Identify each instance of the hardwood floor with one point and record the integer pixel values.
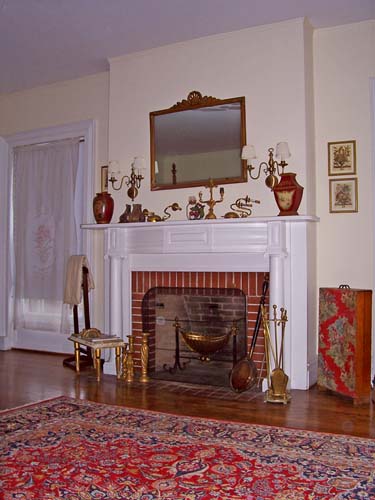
(28, 377)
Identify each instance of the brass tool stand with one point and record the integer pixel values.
(274, 351)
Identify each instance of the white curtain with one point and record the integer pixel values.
(45, 231)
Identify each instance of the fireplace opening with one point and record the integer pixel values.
(197, 334)
(152, 290)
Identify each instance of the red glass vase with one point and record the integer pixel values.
(288, 194)
(103, 205)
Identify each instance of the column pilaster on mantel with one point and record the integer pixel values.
(115, 303)
(277, 252)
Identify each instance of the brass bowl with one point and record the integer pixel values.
(205, 344)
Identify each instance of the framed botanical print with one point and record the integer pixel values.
(343, 195)
(342, 158)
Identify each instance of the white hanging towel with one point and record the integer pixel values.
(74, 276)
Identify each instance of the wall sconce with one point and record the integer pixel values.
(272, 167)
(133, 181)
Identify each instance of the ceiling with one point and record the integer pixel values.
(44, 41)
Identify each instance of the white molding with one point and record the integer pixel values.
(372, 112)
(4, 267)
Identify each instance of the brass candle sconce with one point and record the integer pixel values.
(133, 181)
(270, 168)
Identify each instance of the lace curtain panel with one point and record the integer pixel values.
(45, 231)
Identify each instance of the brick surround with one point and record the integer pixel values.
(250, 283)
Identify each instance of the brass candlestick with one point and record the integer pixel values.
(130, 361)
(144, 357)
(124, 362)
(211, 202)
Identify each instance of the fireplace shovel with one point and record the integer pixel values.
(244, 374)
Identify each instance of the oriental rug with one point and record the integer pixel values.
(72, 449)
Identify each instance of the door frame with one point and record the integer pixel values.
(372, 101)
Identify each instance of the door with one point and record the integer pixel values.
(38, 326)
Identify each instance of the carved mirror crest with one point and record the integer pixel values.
(196, 139)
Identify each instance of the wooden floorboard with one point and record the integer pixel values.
(27, 377)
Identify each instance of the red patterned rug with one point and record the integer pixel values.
(72, 449)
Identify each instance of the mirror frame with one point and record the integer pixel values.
(195, 100)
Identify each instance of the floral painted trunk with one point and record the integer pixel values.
(344, 360)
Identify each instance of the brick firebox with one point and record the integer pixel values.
(250, 283)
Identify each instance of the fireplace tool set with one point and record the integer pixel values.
(244, 374)
(274, 350)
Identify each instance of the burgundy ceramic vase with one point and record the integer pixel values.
(103, 206)
(288, 194)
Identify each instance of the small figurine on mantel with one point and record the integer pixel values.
(194, 209)
(211, 202)
(132, 214)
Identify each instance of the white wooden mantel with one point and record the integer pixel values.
(283, 246)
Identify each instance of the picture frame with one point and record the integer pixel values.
(104, 179)
(343, 195)
(342, 158)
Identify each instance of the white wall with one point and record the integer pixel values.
(344, 61)
(59, 104)
(264, 64)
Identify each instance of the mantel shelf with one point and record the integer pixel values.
(169, 223)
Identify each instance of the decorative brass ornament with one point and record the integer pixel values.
(241, 208)
(152, 217)
(205, 344)
(144, 358)
(129, 361)
(195, 99)
(124, 362)
(274, 350)
(211, 202)
(90, 333)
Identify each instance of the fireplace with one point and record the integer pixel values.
(280, 246)
(208, 302)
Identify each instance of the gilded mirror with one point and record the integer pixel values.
(198, 139)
